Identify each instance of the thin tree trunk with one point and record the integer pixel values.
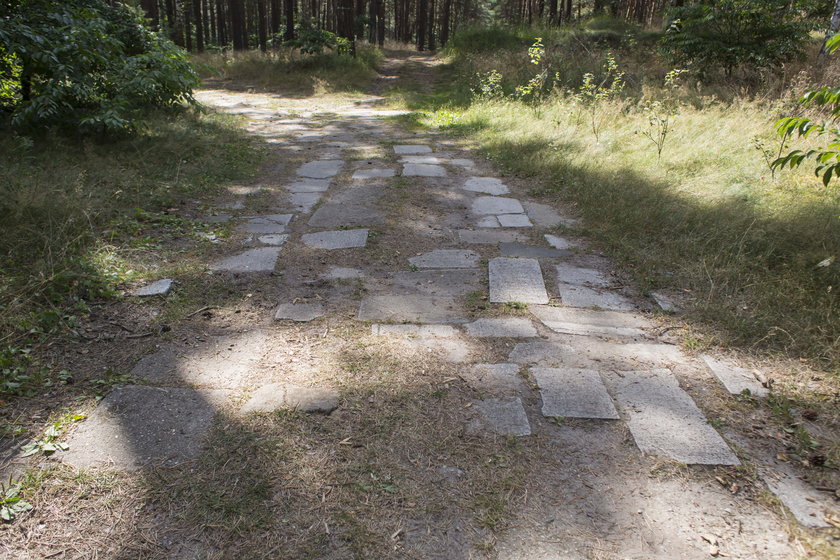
(187, 24)
(289, 19)
(262, 25)
(199, 22)
(422, 12)
(444, 24)
(431, 25)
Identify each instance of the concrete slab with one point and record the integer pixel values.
(489, 237)
(360, 195)
(514, 220)
(544, 215)
(665, 421)
(446, 258)
(440, 282)
(346, 215)
(261, 259)
(583, 296)
(589, 322)
(340, 239)
(516, 280)
(586, 352)
(500, 380)
(488, 222)
(807, 505)
(503, 327)
(321, 169)
(423, 170)
(484, 205)
(735, 379)
(504, 416)
(309, 186)
(416, 331)
(135, 426)
(530, 251)
(279, 396)
(157, 288)
(462, 162)
(412, 149)
(487, 185)
(342, 273)
(414, 309)
(548, 354)
(573, 393)
(304, 202)
(427, 160)
(372, 173)
(560, 242)
(274, 239)
(579, 276)
(273, 223)
(299, 312)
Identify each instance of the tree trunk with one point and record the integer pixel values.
(444, 24)
(290, 20)
(380, 23)
(262, 25)
(431, 25)
(199, 22)
(422, 12)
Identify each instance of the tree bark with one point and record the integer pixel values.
(422, 8)
(289, 19)
(262, 25)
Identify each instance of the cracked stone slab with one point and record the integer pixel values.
(589, 322)
(504, 416)
(504, 327)
(217, 219)
(437, 282)
(412, 309)
(488, 222)
(346, 215)
(486, 185)
(304, 202)
(261, 259)
(309, 186)
(665, 421)
(530, 251)
(560, 242)
(573, 393)
(735, 379)
(501, 380)
(273, 223)
(806, 504)
(514, 220)
(278, 396)
(320, 169)
(516, 280)
(275, 239)
(134, 426)
(363, 174)
(300, 312)
(157, 288)
(544, 215)
(579, 276)
(495, 205)
(489, 237)
(446, 258)
(417, 331)
(412, 149)
(584, 296)
(423, 170)
(339, 239)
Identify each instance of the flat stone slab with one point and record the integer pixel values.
(735, 379)
(585, 352)
(462, 162)
(504, 416)
(495, 205)
(309, 186)
(274, 223)
(279, 396)
(544, 215)
(487, 185)
(134, 426)
(417, 331)
(530, 251)
(446, 258)
(275, 239)
(489, 237)
(664, 302)
(304, 202)
(573, 393)
(516, 280)
(412, 149)
(665, 421)
(560, 242)
(340, 239)
(806, 504)
(346, 215)
(411, 309)
(579, 276)
(320, 169)
(342, 273)
(495, 379)
(428, 160)
(423, 170)
(363, 174)
(583, 296)
(514, 220)
(157, 288)
(300, 312)
(589, 322)
(488, 222)
(505, 327)
(261, 259)
(437, 282)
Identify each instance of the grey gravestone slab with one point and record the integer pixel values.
(571, 274)
(418, 331)
(589, 322)
(342, 273)
(362, 174)
(806, 504)
(423, 170)
(516, 280)
(514, 220)
(261, 259)
(304, 202)
(664, 302)
(274, 223)
(573, 393)
(735, 379)
(487, 185)
(559, 242)
(275, 239)
(504, 416)
(496, 205)
(418, 309)
(309, 186)
(461, 162)
(530, 251)
(134, 426)
(456, 282)
(320, 169)
(665, 421)
(446, 258)
(300, 312)
(278, 396)
(488, 222)
(492, 237)
(346, 215)
(158, 288)
(496, 379)
(412, 149)
(504, 327)
(341, 239)
(582, 296)
(544, 215)
(428, 160)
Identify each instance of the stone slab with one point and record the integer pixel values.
(273, 223)
(665, 421)
(428, 160)
(504, 416)
(412, 149)
(135, 426)
(275, 239)
(346, 215)
(157, 288)
(504, 327)
(437, 282)
(589, 322)
(309, 186)
(342, 273)
(217, 219)
(735, 379)
(489, 237)
(516, 280)
(278, 396)
(514, 220)
(496, 379)
(664, 302)
(412, 309)
(584, 296)
(573, 393)
(486, 185)
(462, 162)
(363, 174)
(304, 202)
(579, 276)
(261, 259)
(320, 169)
(530, 251)
(423, 170)
(417, 331)
(560, 242)
(446, 258)
(806, 504)
(544, 215)
(496, 205)
(340, 239)
(300, 312)
(488, 222)
(586, 352)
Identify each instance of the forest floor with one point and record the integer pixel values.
(392, 351)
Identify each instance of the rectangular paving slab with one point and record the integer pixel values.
(579, 276)
(158, 288)
(504, 416)
(489, 237)
(304, 202)
(346, 215)
(560, 242)
(340, 239)
(423, 170)
(486, 185)
(530, 251)
(573, 393)
(807, 505)
(496, 379)
(411, 309)
(544, 215)
(309, 186)
(300, 312)
(735, 379)
(502, 327)
(516, 280)
(584, 296)
(665, 421)
(412, 149)
(261, 259)
(495, 205)
(320, 169)
(446, 258)
(587, 352)
(589, 322)
(273, 223)
(428, 160)
(514, 220)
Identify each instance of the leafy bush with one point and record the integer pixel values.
(310, 39)
(86, 66)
